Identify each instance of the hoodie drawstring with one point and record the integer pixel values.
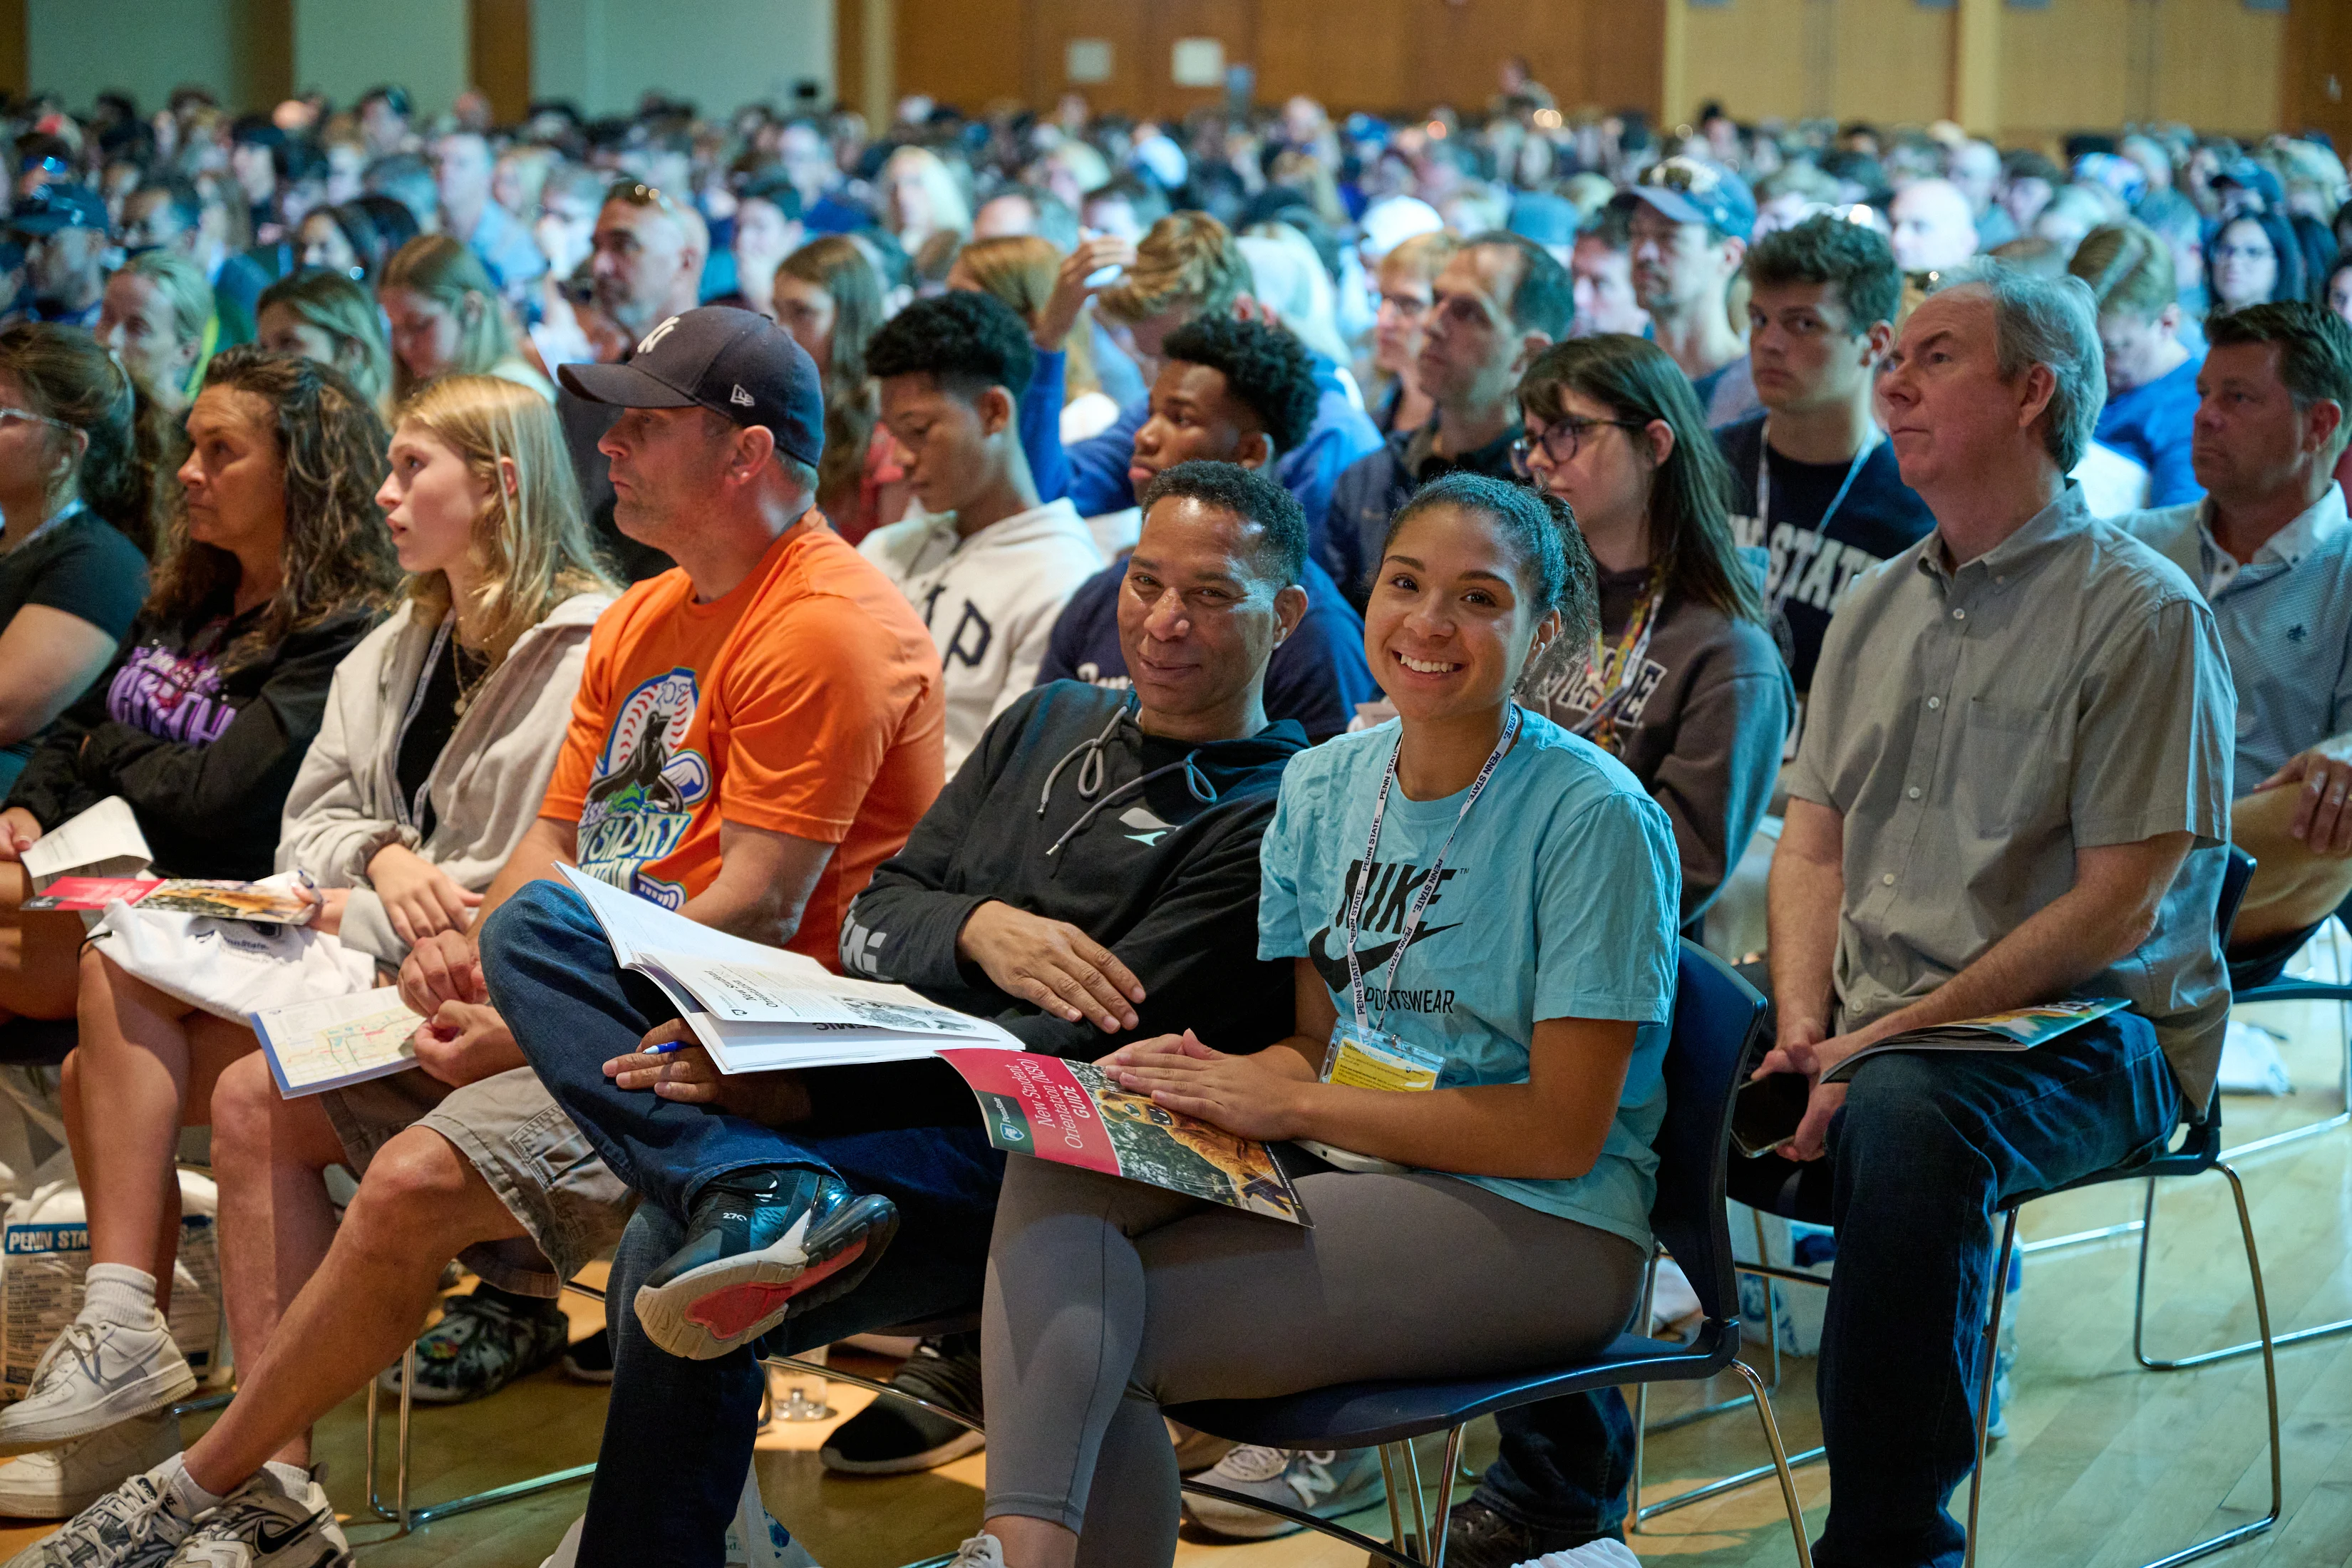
(1089, 754)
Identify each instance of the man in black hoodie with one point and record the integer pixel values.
(1089, 877)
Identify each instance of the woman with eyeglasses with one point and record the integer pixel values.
(447, 319)
(1407, 276)
(2253, 259)
(324, 316)
(273, 566)
(343, 239)
(1681, 681)
(76, 516)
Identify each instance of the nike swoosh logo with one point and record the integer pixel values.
(1333, 965)
(270, 1540)
(1148, 839)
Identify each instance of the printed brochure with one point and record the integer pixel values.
(2019, 1029)
(255, 902)
(1070, 1112)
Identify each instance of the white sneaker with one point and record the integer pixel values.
(136, 1525)
(60, 1482)
(785, 1553)
(982, 1551)
(93, 1376)
(1325, 1483)
(279, 1518)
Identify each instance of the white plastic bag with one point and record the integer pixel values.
(45, 1253)
(230, 968)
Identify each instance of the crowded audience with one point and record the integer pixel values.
(1088, 571)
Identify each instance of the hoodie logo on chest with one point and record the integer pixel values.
(972, 636)
(1150, 829)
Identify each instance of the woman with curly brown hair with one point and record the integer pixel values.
(272, 568)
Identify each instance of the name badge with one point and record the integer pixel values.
(1374, 1058)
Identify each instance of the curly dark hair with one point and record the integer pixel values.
(1280, 556)
(1263, 366)
(337, 554)
(969, 342)
(1828, 250)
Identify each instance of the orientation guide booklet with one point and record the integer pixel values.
(313, 1047)
(758, 1009)
(2019, 1029)
(1070, 1112)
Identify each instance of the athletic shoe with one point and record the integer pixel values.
(95, 1376)
(590, 1361)
(765, 1244)
(1196, 1450)
(483, 1341)
(279, 1518)
(1325, 1483)
(60, 1482)
(982, 1551)
(783, 1551)
(1477, 1536)
(136, 1525)
(892, 1438)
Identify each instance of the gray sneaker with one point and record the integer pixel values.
(136, 1525)
(1325, 1483)
(279, 1518)
(59, 1482)
(93, 1376)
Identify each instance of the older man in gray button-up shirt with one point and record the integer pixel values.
(2013, 786)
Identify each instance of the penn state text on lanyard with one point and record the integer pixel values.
(1428, 883)
(1819, 525)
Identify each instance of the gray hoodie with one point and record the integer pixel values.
(486, 786)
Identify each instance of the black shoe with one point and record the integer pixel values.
(590, 1361)
(892, 1438)
(1477, 1536)
(483, 1341)
(765, 1244)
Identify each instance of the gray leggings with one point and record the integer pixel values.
(1108, 1298)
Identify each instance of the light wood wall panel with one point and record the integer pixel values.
(498, 50)
(2218, 66)
(967, 52)
(1891, 62)
(2317, 81)
(2064, 69)
(1751, 57)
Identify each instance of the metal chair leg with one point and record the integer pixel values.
(1445, 1497)
(2227, 1352)
(1779, 1463)
(1985, 1377)
(409, 1517)
(1400, 1534)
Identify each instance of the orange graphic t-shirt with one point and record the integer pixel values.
(807, 702)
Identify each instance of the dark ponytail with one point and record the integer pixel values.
(135, 445)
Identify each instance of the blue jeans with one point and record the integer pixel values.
(678, 1435)
(1925, 1153)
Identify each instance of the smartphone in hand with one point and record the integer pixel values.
(1767, 1111)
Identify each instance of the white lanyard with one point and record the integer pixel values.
(1428, 882)
(1819, 525)
(72, 509)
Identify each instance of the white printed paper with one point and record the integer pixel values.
(103, 841)
(337, 1040)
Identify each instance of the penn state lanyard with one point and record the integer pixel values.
(1600, 726)
(72, 509)
(1821, 524)
(1428, 882)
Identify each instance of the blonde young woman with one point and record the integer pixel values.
(447, 319)
(439, 732)
(327, 317)
(156, 317)
(922, 197)
(1021, 270)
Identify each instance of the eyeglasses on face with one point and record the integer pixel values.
(8, 415)
(1561, 440)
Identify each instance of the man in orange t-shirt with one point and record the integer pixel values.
(755, 731)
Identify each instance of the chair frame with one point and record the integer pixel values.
(400, 1512)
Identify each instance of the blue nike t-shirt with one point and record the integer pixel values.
(1558, 899)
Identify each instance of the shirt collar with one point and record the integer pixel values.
(2313, 527)
(2046, 530)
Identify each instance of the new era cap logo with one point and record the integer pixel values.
(658, 334)
(739, 395)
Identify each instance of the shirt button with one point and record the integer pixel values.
(1934, 703)
(1913, 792)
(1889, 879)
(1959, 615)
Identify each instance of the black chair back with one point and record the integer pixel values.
(2235, 877)
(1717, 1019)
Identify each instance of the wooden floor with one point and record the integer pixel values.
(2106, 1466)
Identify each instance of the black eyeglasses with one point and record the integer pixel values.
(1569, 432)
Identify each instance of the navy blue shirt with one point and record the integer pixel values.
(1317, 676)
(2150, 424)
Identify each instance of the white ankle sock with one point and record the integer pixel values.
(119, 1294)
(292, 1479)
(192, 1500)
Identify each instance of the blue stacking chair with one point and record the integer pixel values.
(1717, 1018)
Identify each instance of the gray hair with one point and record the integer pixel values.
(2050, 322)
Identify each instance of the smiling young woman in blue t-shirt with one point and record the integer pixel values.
(1515, 929)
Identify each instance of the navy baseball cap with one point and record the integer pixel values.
(737, 363)
(1690, 190)
(58, 205)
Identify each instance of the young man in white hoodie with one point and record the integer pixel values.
(987, 566)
